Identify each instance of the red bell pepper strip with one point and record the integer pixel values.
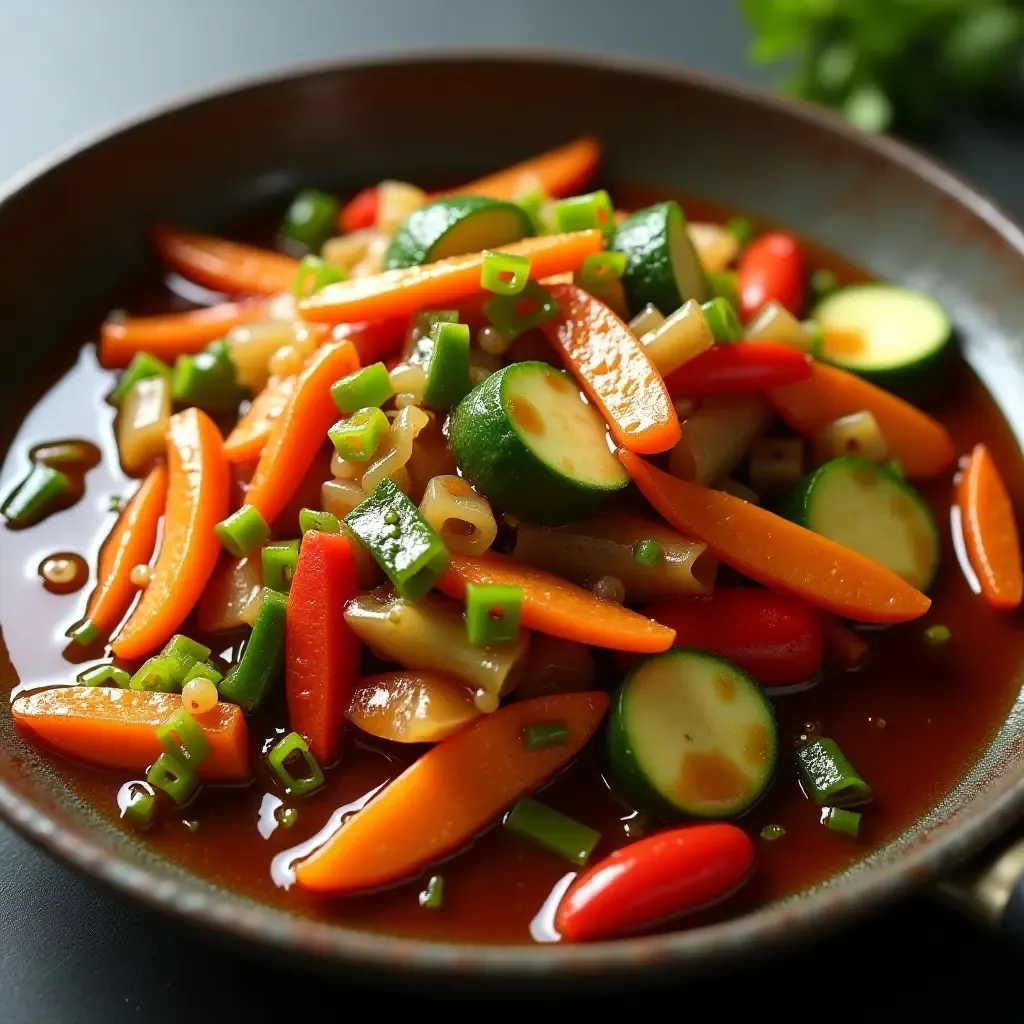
(739, 368)
(772, 269)
(374, 340)
(654, 880)
(360, 211)
(774, 637)
(321, 652)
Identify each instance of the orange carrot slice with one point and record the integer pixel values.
(249, 435)
(990, 531)
(451, 793)
(300, 431)
(610, 363)
(447, 282)
(173, 334)
(114, 728)
(197, 499)
(226, 266)
(778, 553)
(559, 172)
(554, 606)
(922, 445)
(130, 543)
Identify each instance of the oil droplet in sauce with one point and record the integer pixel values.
(64, 572)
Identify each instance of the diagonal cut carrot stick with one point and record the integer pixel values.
(172, 334)
(197, 499)
(922, 445)
(130, 543)
(226, 266)
(447, 282)
(554, 606)
(249, 435)
(115, 728)
(990, 531)
(451, 793)
(778, 553)
(605, 356)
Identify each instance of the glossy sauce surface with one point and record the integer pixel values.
(911, 720)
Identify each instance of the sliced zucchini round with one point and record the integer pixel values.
(691, 735)
(869, 508)
(527, 440)
(662, 267)
(882, 332)
(451, 227)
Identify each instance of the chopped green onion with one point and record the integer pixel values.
(292, 748)
(828, 778)
(823, 282)
(647, 552)
(725, 284)
(158, 674)
(84, 632)
(582, 213)
(279, 561)
(544, 735)
(534, 203)
(36, 496)
(325, 522)
(936, 636)
(249, 682)
(104, 675)
(311, 219)
(207, 379)
(895, 466)
(722, 319)
(139, 805)
(432, 898)
(741, 228)
(837, 819)
(183, 738)
(183, 652)
(552, 830)
(143, 365)
(404, 544)
(116, 504)
(312, 275)
(511, 315)
(493, 612)
(242, 531)
(203, 670)
(370, 386)
(173, 777)
(504, 273)
(817, 335)
(448, 366)
(599, 268)
(772, 832)
(286, 816)
(358, 437)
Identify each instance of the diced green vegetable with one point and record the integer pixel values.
(553, 830)
(493, 613)
(544, 735)
(937, 636)
(358, 437)
(249, 682)
(207, 379)
(279, 561)
(314, 274)
(36, 496)
(312, 218)
(600, 267)
(104, 675)
(512, 315)
(504, 273)
(84, 633)
(400, 539)
(828, 778)
(183, 738)
(294, 748)
(648, 552)
(741, 228)
(173, 777)
(367, 387)
(722, 319)
(140, 806)
(143, 365)
(725, 284)
(183, 652)
(158, 674)
(242, 531)
(312, 519)
(203, 670)
(583, 213)
(448, 366)
(432, 897)
(838, 819)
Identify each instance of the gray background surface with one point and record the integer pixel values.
(69, 952)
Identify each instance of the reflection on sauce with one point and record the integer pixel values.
(939, 708)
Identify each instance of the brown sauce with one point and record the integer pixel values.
(912, 719)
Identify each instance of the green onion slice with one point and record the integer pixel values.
(293, 748)
(722, 319)
(311, 219)
(447, 366)
(312, 275)
(827, 776)
(493, 613)
(183, 738)
(369, 386)
(648, 553)
(583, 213)
(173, 777)
(105, 675)
(242, 531)
(279, 561)
(143, 365)
(358, 437)
(312, 519)
(512, 315)
(158, 674)
(36, 496)
(553, 830)
(504, 273)
(838, 819)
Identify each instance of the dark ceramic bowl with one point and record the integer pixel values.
(216, 158)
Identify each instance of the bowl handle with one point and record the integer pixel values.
(990, 889)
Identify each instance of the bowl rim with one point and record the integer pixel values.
(769, 928)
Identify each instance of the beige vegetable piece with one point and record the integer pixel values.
(857, 435)
(411, 707)
(717, 437)
(142, 423)
(682, 336)
(776, 323)
(716, 247)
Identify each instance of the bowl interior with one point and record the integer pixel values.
(77, 230)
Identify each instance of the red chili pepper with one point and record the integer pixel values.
(373, 339)
(740, 368)
(360, 211)
(321, 652)
(771, 269)
(655, 879)
(774, 637)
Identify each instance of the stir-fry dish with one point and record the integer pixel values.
(513, 561)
